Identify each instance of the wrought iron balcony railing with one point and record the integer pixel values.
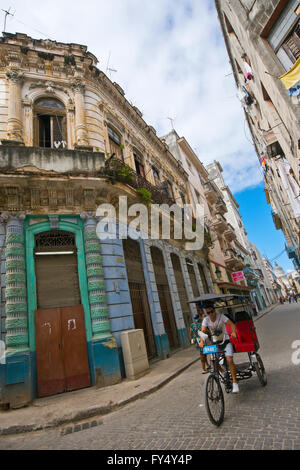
(117, 171)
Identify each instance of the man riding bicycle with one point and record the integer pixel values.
(214, 324)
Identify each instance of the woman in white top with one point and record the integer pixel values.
(214, 324)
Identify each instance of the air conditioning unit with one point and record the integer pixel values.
(134, 353)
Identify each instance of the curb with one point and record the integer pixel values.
(82, 415)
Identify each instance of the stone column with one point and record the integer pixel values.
(96, 282)
(14, 126)
(17, 337)
(80, 122)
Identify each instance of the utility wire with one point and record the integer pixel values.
(278, 256)
(28, 26)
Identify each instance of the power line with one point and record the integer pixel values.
(33, 29)
(278, 256)
(7, 13)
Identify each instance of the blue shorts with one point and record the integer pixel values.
(228, 349)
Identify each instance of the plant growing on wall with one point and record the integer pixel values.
(124, 174)
(145, 195)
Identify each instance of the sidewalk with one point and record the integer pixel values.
(73, 407)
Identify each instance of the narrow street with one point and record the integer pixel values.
(175, 416)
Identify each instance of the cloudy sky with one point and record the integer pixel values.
(171, 62)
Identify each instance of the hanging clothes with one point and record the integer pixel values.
(244, 97)
(248, 71)
(291, 79)
(290, 185)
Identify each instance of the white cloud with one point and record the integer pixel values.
(171, 61)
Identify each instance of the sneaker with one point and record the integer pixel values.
(235, 388)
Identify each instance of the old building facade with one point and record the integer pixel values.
(225, 251)
(262, 40)
(253, 273)
(70, 142)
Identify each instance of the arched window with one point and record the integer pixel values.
(49, 123)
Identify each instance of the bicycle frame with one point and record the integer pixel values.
(225, 376)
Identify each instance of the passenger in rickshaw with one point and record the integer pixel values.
(214, 323)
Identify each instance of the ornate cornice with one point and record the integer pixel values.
(49, 86)
(15, 76)
(78, 85)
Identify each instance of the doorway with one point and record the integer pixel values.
(164, 297)
(183, 297)
(138, 294)
(61, 346)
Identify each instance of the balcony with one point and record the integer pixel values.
(240, 263)
(117, 171)
(219, 223)
(230, 258)
(210, 193)
(221, 206)
(60, 161)
(233, 260)
(252, 274)
(277, 221)
(229, 233)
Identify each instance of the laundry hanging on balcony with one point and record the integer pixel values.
(244, 96)
(248, 71)
(291, 79)
(264, 164)
(290, 185)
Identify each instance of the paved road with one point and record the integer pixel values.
(175, 416)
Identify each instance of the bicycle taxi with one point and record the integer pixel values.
(239, 310)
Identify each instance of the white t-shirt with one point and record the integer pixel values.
(217, 328)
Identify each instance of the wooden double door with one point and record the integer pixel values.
(61, 350)
(61, 345)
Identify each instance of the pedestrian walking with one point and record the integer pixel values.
(195, 327)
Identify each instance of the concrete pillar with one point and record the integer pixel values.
(14, 123)
(80, 121)
(96, 282)
(17, 337)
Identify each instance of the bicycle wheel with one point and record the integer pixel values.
(260, 370)
(214, 400)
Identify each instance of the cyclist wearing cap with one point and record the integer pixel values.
(195, 327)
(214, 323)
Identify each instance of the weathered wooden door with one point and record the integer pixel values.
(167, 314)
(183, 297)
(193, 279)
(141, 315)
(164, 296)
(138, 294)
(61, 346)
(49, 358)
(61, 350)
